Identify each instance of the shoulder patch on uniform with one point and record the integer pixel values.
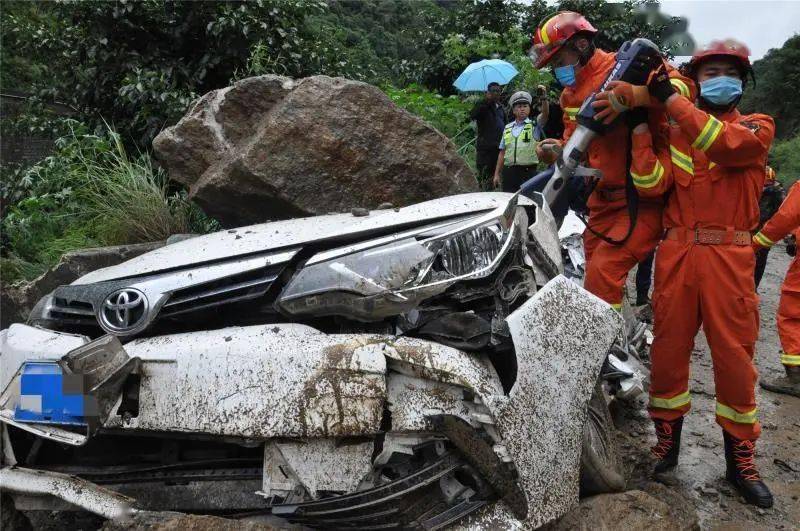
(752, 125)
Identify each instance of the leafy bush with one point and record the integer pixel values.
(785, 160)
(89, 193)
(448, 114)
(778, 76)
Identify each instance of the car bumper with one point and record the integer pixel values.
(271, 382)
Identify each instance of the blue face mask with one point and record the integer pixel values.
(721, 90)
(565, 75)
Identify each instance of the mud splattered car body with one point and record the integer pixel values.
(417, 367)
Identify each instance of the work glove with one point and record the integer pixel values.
(548, 150)
(618, 98)
(659, 85)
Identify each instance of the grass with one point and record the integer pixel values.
(89, 193)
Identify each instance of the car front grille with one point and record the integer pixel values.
(245, 286)
(169, 294)
(72, 312)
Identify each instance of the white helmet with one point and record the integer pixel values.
(520, 97)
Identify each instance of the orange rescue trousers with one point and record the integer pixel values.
(712, 286)
(607, 265)
(789, 315)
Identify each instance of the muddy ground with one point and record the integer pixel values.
(696, 494)
(697, 487)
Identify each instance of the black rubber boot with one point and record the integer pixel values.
(787, 385)
(668, 446)
(742, 472)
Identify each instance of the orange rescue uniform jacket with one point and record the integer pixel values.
(608, 153)
(715, 164)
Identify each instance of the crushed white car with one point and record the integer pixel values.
(421, 367)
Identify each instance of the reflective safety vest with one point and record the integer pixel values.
(520, 151)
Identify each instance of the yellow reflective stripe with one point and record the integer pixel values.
(762, 240)
(681, 160)
(680, 86)
(545, 36)
(617, 306)
(572, 112)
(711, 165)
(790, 359)
(650, 180)
(731, 414)
(675, 402)
(709, 133)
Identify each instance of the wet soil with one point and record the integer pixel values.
(699, 479)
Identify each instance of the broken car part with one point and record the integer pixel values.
(328, 370)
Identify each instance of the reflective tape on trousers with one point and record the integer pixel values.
(676, 402)
(729, 413)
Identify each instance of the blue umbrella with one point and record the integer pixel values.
(477, 76)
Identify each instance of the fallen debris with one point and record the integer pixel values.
(270, 147)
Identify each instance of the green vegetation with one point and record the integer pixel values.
(776, 92)
(785, 160)
(137, 65)
(75, 199)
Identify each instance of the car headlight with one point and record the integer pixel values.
(40, 314)
(379, 278)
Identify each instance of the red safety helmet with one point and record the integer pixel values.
(728, 48)
(555, 32)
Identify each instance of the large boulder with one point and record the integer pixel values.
(270, 147)
(17, 300)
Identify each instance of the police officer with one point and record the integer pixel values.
(517, 160)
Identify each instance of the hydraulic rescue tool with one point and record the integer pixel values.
(635, 60)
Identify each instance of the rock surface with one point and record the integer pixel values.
(270, 147)
(17, 300)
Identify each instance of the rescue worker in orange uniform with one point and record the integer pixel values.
(785, 221)
(565, 42)
(712, 173)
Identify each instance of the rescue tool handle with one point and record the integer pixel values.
(635, 61)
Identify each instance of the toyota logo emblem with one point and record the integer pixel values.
(124, 311)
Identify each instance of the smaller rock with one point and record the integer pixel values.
(697, 433)
(360, 212)
(708, 492)
(666, 479)
(761, 511)
(724, 489)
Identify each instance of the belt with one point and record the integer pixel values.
(610, 194)
(708, 236)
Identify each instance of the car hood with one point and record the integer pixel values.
(293, 233)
